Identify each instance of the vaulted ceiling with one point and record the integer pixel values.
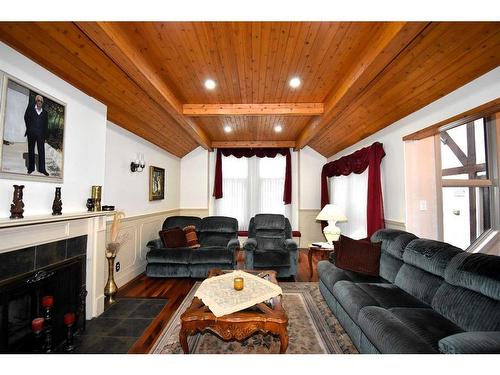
(357, 77)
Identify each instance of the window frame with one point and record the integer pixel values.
(492, 128)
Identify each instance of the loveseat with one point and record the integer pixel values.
(218, 238)
(429, 297)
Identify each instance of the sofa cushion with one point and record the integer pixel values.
(207, 239)
(429, 255)
(393, 241)
(178, 256)
(218, 224)
(477, 272)
(191, 237)
(269, 240)
(173, 237)
(211, 254)
(389, 266)
(468, 309)
(271, 258)
(330, 274)
(419, 283)
(181, 221)
(269, 222)
(405, 330)
(354, 296)
(360, 256)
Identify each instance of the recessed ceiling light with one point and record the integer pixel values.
(227, 129)
(210, 84)
(278, 128)
(295, 82)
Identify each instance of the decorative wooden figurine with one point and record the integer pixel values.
(57, 205)
(17, 206)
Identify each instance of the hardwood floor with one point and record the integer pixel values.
(176, 289)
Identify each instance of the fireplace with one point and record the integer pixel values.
(55, 269)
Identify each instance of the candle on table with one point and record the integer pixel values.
(47, 302)
(37, 325)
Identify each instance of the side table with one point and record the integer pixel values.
(319, 250)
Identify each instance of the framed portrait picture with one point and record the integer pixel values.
(156, 183)
(32, 128)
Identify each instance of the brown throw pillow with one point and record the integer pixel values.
(173, 237)
(361, 256)
(191, 237)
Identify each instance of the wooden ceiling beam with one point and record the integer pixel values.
(386, 44)
(284, 109)
(108, 37)
(253, 144)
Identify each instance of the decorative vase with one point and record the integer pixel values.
(110, 289)
(17, 206)
(57, 204)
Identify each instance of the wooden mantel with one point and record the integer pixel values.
(45, 219)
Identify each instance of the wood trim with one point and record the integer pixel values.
(465, 183)
(483, 110)
(290, 109)
(108, 37)
(253, 144)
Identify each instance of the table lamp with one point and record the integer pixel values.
(332, 214)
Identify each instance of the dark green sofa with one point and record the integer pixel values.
(430, 297)
(218, 237)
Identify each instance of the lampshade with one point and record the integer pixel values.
(331, 212)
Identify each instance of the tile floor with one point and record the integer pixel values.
(116, 330)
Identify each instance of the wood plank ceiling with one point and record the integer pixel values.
(357, 77)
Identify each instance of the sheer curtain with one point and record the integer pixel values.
(350, 194)
(251, 186)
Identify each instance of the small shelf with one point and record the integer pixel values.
(43, 219)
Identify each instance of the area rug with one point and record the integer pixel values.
(312, 329)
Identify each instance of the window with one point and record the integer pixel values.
(468, 180)
(251, 186)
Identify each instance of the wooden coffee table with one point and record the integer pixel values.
(239, 325)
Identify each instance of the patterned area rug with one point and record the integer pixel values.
(312, 329)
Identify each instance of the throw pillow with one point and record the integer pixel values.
(191, 237)
(361, 256)
(173, 237)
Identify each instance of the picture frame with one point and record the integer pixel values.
(32, 127)
(156, 183)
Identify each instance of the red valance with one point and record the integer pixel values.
(357, 162)
(260, 153)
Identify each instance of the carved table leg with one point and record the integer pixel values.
(183, 341)
(283, 342)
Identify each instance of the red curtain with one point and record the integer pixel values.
(260, 153)
(357, 162)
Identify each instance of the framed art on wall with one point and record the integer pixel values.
(32, 128)
(156, 183)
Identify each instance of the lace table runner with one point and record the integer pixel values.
(221, 298)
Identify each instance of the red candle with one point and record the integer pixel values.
(37, 324)
(69, 319)
(47, 302)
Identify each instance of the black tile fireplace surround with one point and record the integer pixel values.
(26, 275)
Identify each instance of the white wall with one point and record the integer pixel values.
(84, 141)
(475, 93)
(310, 165)
(129, 191)
(194, 179)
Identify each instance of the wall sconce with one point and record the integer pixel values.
(138, 164)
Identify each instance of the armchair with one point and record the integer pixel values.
(270, 245)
